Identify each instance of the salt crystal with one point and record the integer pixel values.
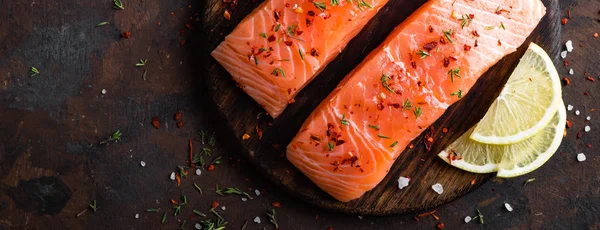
(402, 182)
(571, 72)
(198, 172)
(563, 54)
(581, 157)
(438, 188)
(244, 199)
(223, 208)
(468, 219)
(508, 207)
(588, 118)
(198, 226)
(569, 107)
(587, 128)
(360, 217)
(577, 112)
(103, 91)
(569, 46)
(137, 216)
(142, 163)
(172, 177)
(257, 192)
(257, 220)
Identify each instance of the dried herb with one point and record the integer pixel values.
(199, 213)
(141, 63)
(362, 3)
(406, 104)
(153, 210)
(465, 20)
(101, 24)
(198, 187)
(344, 121)
(272, 218)
(202, 135)
(164, 218)
(206, 151)
(278, 71)
(114, 137)
(457, 93)
(182, 225)
(454, 73)
(301, 53)
(502, 25)
(94, 206)
(218, 191)
(210, 225)
(528, 181)
(383, 136)
(277, 27)
(212, 140)
(233, 190)
(335, 2)
(263, 35)
(177, 210)
(321, 6)
(417, 112)
(330, 146)
(489, 27)
(448, 34)
(216, 161)
(423, 53)
(374, 127)
(118, 4)
(33, 71)
(384, 81)
(394, 144)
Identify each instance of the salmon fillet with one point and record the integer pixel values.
(282, 45)
(348, 144)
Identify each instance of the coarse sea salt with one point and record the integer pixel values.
(403, 182)
(508, 207)
(577, 112)
(563, 54)
(244, 199)
(223, 208)
(581, 157)
(198, 172)
(103, 91)
(172, 177)
(438, 188)
(569, 45)
(142, 163)
(468, 219)
(257, 192)
(587, 128)
(571, 71)
(137, 216)
(588, 118)
(569, 107)
(198, 226)
(257, 220)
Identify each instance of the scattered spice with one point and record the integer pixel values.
(126, 34)
(94, 206)
(457, 93)
(448, 34)
(384, 81)
(272, 219)
(466, 20)
(101, 24)
(454, 73)
(566, 81)
(114, 137)
(155, 122)
(33, 72)
(141, 63)
(245, 136)
(164, 218)
(417, 112)
(467, 47)
(429, 46)
(344, 121)
(118, 4)
(440, 225)
(227, 15)
(528, 181)
(314, 52)
(423, 53)
(569, 124)
(320, 5)
(564, 21)
(590, 79)
(278, 71)
(276, 204)
(153, 210)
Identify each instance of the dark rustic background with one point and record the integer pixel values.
(51, 167)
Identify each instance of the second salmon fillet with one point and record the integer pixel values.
(282, 45)
(430, 61)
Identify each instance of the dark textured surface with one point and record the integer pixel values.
(420, 165)
(51, 168)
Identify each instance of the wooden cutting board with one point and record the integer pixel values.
(243, 116)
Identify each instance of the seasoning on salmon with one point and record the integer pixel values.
(300, 43)
(426, 87)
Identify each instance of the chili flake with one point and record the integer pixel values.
(126, 34)
(227, 15)
(276, 14)
(467, 47)
(179, 124)
(276, 204)
(177, 116)
(566, 81)
(429, 46)
(245, 136)
(155, 122)
(314, 52)
(564, 21)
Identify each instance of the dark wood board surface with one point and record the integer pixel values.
(422, 166)
(51, 167)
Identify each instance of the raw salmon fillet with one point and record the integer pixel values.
(428, 62)
(282, 45)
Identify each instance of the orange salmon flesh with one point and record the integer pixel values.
(348, 144)
(282, 45)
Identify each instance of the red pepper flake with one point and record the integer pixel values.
(126, 34)
(215, 204)
(564, 21)
(416, 218)
(179, 124)
(578, 135)
(590, 79)
(473, 182)
(178, 179)
(288, 43)
(245, 136)
(568, 14)
(476, 43)
(190, 27)
(589, 146)
(413, 64)
(444, 130)
(467, 47)
(380, 106)
(430, 46)
(566, 63)
(314, 52)
(276, 14)
(499, 42)
(442, 40)
(440, 225)
(329, 228)
(276, 204)
(227, 15)
(569, 124)
(426, 214)
(317, 218)
(177, 116)
(595, 35)
(173, 201)
(258, 132)
(566, 81)
(430, 28)
(155, 122)
(211, 167)
(434, 216)
(475, 33)
(430, 139)
(311, 13)
(271, 38)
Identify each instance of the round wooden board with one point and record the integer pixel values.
(244, 116)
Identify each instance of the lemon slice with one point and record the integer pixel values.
(508, 160)
(527, 103)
